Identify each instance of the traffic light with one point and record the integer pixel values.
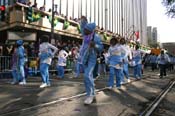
(29, 14)
(2, 13)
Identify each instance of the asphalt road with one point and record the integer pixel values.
(65, 97)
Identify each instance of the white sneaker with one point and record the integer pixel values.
(89, 100)
(128, 80)
(22, 83)
(122, 83)
(110, 87)
(43, 85)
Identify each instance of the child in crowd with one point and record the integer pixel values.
(62, 58)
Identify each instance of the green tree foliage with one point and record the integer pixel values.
(170, 6)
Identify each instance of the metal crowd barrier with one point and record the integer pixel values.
(33, 65)
(5, 63)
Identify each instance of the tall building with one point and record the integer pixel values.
(123, 17)
(154, 35)
(149, 32)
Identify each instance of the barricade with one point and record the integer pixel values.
(5, 66)
(32, 66)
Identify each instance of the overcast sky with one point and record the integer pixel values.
(157, 18)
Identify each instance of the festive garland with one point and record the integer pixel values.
(66, 25)
(55, 22)
(32, 16)
(78, 28)
(36, 16)
(105, 36)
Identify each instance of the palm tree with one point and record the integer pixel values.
(170, 6)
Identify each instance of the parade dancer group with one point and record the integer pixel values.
(117, 58)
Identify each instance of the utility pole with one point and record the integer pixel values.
(112, 16)
(102, 13)
(73, 9)
(94, 10)
(106, 15)
(90, 10)
(141, 33)
(115, 15)
(122, 16)
(86, 10)
(133, 19)
(44, 3)
(67, 8)
(60, 8)
(110, 24)
(52, 24)
(98, 13)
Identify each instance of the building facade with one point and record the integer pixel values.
(169, 47)
(152, 35)
(123, 17)
(149, 33)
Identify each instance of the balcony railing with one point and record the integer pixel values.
(17, 14)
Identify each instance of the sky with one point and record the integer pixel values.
(156, 17)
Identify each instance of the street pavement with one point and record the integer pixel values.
(65, 97)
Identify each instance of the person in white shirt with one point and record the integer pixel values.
(46, 53)
(62, 58)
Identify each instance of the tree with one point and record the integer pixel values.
(170, 6)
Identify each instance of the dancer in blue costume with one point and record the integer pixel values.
(21, 61)
(115, 61)
(137, 58)
(91, 45)
(125, 71)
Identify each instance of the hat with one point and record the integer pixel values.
(19, 42)
(90, 26)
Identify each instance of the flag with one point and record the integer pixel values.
(137, 35)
